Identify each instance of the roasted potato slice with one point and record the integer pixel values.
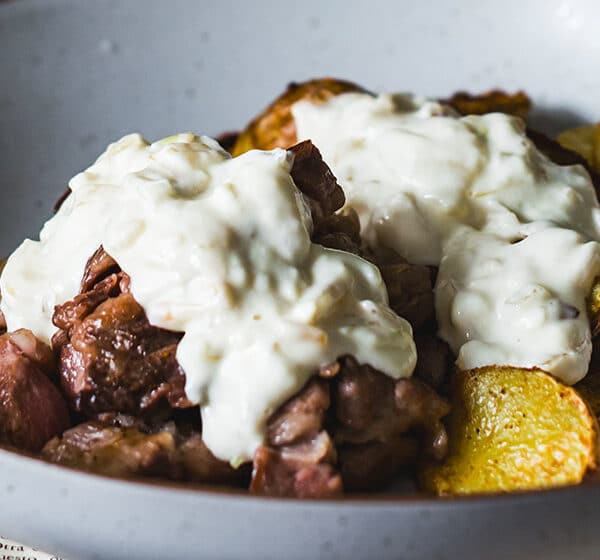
(275, 127)
(584, 140)
(513, 429)
(495, 101)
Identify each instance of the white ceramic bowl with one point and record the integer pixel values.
(75, 75)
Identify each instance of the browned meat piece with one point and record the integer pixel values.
(373, 466)
(434, 359)
(379, 420)
(114, 451)
(116, 361)
(410, 292)
(409, 286)
(365, 405)
(32, 410)
(124, 446)
(34, 349)
(340, 231)
(99, 266)
(304, 471)
(324, 196)
(110, 358)
(301, 417)
(198, 464)
(71, 313)
(378, 426)
(315, 180)
(423, 410)
(298, 457)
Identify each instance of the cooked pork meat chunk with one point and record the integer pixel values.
(434, 359)
(410, 287)
(124, 446)
(423, 410)
(68, 315)
(382, 425)
(110, 358)
(315, 180)
(99, 266)
(353, 428)
(114, 450)
(370, 406)
(304, 472)
(340, 231)
(298, 457)
(198, 464)
(32, 410)
(373, 466)
(301, 417)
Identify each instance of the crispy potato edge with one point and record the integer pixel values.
(455, 475)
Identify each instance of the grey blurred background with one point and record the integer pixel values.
(76, 75)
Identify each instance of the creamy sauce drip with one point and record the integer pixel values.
(515, 236)
(220, 249)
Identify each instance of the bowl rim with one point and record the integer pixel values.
(358, 499)
(410, 499)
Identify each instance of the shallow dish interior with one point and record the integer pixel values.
(78, 75)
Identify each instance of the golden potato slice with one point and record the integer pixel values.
(513, 429)
(495, 101)
(275, 127)
(584, 140)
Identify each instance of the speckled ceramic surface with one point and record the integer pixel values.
(75, 75)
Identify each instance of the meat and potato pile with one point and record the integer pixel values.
(110, 397)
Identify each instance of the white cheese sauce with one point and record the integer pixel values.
(220, 249)
(514, 235)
